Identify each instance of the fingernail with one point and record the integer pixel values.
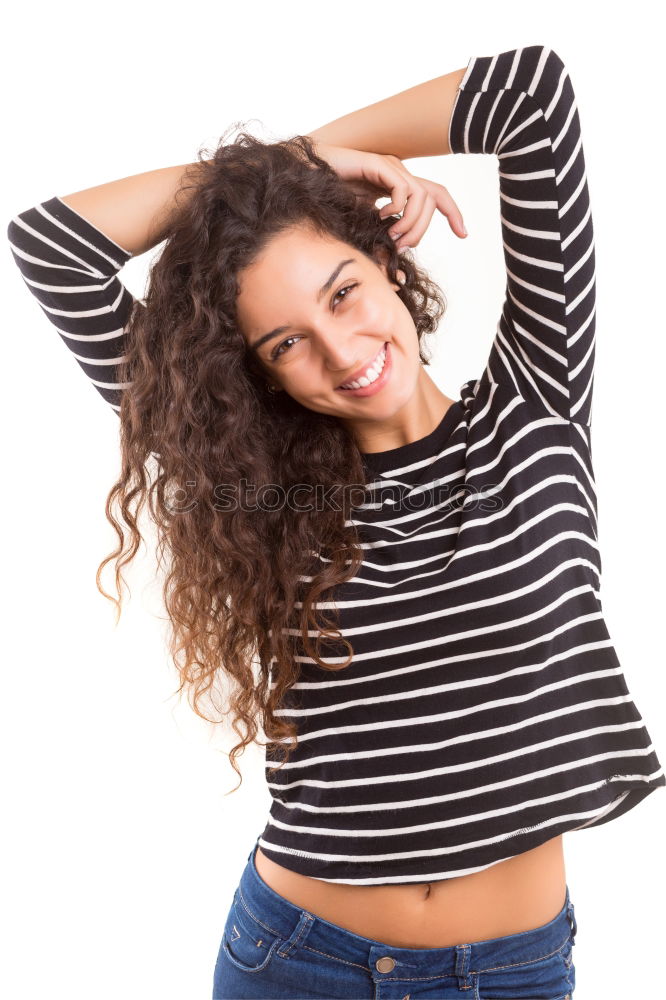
(465, 230)
(395, 236)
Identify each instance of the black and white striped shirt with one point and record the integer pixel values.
(485, 710)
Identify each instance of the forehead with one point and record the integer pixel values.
(297, 255)
(286, 277)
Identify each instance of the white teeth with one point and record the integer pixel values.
(371, 375)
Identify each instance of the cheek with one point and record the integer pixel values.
(380, 315)
(380, 312)
(392, 318)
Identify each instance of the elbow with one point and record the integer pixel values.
(552, 65)
(15, 235)
(12, 231)
(554, 59)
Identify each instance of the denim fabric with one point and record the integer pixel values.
(273, 950)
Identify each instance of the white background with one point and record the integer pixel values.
(120, 850)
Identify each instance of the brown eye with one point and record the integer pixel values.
(347, 288)
(277, 351)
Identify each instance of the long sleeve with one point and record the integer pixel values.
(71, 268)
(520, 105)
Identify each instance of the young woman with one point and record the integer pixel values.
(403, 588)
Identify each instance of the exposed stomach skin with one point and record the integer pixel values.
(512, 896)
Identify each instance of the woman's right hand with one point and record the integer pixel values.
(378, 175)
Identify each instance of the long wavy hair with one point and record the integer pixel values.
(197, 422)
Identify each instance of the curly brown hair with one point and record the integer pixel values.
(241, 586)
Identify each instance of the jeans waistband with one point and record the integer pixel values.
(296, 925)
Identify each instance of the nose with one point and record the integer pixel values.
(344, 351)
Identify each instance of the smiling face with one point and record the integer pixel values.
(315, 311)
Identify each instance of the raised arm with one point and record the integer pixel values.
(69, 251)
(519, 105)
(412, 123)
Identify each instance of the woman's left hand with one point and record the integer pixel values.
(378, 175)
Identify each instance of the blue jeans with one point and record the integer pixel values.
(274, 950)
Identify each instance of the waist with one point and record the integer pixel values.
(512, 896)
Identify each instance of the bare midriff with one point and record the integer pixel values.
(512, 896)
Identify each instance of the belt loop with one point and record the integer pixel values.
(300, 932)
(571, 914)
(463, 954)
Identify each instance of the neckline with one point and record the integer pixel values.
(414, 451)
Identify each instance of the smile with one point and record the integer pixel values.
(373, 378)
(369, 374)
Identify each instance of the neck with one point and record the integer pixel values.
(419, 416)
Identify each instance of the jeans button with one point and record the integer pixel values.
(385, 964)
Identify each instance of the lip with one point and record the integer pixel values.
(361, 371)
(370, 390)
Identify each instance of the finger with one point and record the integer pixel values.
(412, 212)
(401, 189)
(395, 177)
(409, 229)
(447, 206)
(414, 234)
(399, 195)
(386, 177)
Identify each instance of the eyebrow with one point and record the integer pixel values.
(322, 291)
